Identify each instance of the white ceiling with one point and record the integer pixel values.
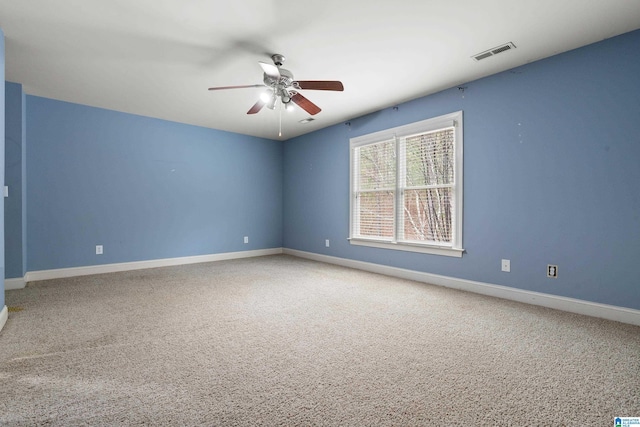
(158, 57)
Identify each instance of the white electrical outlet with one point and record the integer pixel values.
(552, 271)
(6, 191)
(326, 243)
(99, 250)
(506, 265)
(246, 239)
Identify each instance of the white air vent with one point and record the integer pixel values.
(307, 120)
(496, 50)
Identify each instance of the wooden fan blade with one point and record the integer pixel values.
(234, 87)
(319, 85)
(305, 104)
(270, 70)
(256, 107)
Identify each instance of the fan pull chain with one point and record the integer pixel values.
(280, 129)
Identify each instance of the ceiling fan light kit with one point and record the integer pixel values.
(281, 84)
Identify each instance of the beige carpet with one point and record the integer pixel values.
(281, 341)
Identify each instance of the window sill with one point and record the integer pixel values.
(424, 249)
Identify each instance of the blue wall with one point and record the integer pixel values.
(14, 232)
(144, 188)
(552, 166)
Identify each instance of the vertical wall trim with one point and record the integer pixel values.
(2, 132)
(4, 315)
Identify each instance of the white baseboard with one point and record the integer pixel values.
(4, 315)
(11, 284)
(61, 273)
(604, 311)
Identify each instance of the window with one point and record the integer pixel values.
(406, 187)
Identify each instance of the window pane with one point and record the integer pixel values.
(430, 158)
(427, 215)
(376, 214)
(377, 166)
(406, 187)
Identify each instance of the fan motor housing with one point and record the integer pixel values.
(285, 80)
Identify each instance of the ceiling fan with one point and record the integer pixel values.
(281, 85)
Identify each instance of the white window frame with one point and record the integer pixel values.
(453, 249)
